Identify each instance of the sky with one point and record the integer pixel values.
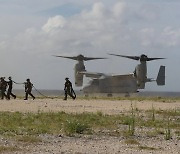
(31, 31)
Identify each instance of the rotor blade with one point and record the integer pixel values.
(91, 58)
(149, 59)
(130, 57)
(73, 58)
(80, 58)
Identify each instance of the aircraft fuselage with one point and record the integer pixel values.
(112, 84)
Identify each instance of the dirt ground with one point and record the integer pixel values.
(79, 106)
(90, 144)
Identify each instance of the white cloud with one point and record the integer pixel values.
(170, 36)
(166, 37)
(98, 10)
(149, 12)
(54, 23)
(119, 9)
(2, 43)
(147, 36)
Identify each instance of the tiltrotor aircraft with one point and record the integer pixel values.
(103, 83)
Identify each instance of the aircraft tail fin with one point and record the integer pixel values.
(161, 76)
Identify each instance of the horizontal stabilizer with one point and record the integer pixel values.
(161, 76)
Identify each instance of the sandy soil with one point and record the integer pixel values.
(90, 144)
(79, 106)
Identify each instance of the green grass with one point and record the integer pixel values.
(27, 139)
(163, 119)
(146, 148)
(131, 141)
(26, 127)
(53, 123)
(76, 127)
(177, 132)
(6, 149)
(168, 113)
(132, 122)
(155, 133)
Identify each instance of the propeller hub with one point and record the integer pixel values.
(143, 57)
(80, 57)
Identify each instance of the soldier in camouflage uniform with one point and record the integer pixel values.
(10, 86)
(68, 89)
(3, 86)
(28, 89)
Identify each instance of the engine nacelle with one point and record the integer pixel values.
(141, 75)
(79, 67)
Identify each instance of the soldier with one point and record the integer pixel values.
(3, 87)
(10, 86)
(68, 89)
(28, 89)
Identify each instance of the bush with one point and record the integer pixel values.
(75, 127)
